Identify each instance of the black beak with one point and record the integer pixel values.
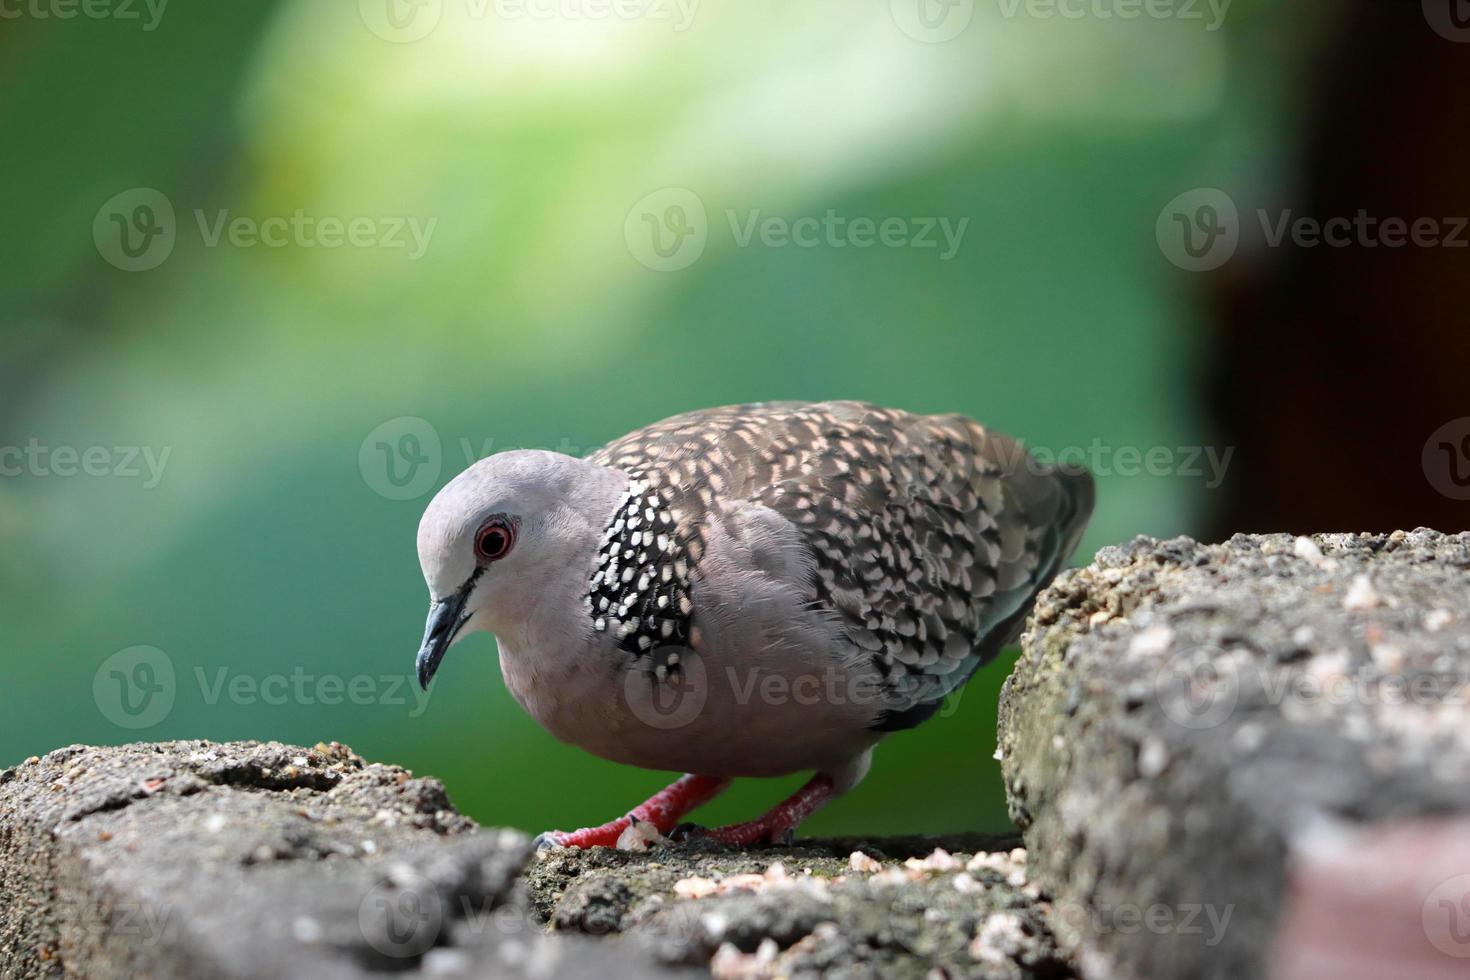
(446, 616)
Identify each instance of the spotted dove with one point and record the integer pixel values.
(753, 590)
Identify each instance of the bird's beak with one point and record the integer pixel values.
(446, 616)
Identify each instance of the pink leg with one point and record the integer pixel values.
(785, 817)
(663, 809)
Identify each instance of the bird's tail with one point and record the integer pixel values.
(1056, 500)
(1061, 502)
(1079, 492)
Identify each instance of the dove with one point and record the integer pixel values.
(747, 591)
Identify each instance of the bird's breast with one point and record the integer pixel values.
(752, 713)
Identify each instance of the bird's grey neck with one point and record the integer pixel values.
(542, 621)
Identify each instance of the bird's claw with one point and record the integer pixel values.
(786, 836)
(548, 841)
(687, 831)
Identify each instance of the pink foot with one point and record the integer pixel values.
(782, 821)
(664, 810)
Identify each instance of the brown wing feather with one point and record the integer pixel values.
(931, 535)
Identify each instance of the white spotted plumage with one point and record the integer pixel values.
(882, 555)
(928, 535)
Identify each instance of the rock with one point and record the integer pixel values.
(249, 859)
(964, 910)
(1196, 736)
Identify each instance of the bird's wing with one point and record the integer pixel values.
(930, 535)
(639, 591)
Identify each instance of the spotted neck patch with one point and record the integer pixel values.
(639, 592)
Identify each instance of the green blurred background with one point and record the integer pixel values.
(274, 540)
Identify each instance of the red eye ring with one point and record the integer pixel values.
(494, 539)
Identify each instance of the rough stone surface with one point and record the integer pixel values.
(1197, 734)
(900, 909)
(247, 859)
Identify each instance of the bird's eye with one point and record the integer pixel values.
(495, 539)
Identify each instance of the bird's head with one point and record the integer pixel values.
(510, 531)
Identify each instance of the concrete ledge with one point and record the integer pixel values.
(246, 859)
(1198, 737)
(196, 859)
(897, 907)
